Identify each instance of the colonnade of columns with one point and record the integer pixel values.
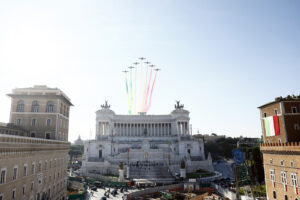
(103, 128)
(142, 129)
(183, 128)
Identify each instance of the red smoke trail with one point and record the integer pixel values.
(147, 96)
(150, 99)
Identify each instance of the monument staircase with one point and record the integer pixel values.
(159, 174)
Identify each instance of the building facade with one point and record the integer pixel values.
(42, 110)
(280, 121)
(149, 146)
(32, 168)
(34, 147)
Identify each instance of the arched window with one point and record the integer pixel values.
(50, 106)
(274, 194)
(20, 106)
(35, 106)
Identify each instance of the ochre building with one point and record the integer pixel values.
(280, 121)
(34, 145)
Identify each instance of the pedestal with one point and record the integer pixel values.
(183, 173)
(121, 175)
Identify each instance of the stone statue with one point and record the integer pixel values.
(106, 106)
(178, 105)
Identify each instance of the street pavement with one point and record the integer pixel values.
(100, 193)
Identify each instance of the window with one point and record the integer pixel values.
(35, 106)
(50, 106)
(33, 168)
(50, 164)
(25, 170)
(32, 134)
(294, 110)
(271, 161)
(294, 179)
(45, 165)
(274, 194)
(279, 140)
(100, 153)
(19, 122)
(24, 189)
(292, 164)
(34, 122)
(48, 122)
(3, 176)
(32, 186)
(265, 114)
(275, 111)
(272, 174)
(15, 173)
(20, 106)
(286, 197)
(47, 135)
(296, 127)
(40, 166)
(1, 197)
(14, 193)
(54, 162)
(282, 162)
(283, 178)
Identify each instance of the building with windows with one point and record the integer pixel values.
(42, 110)
(12, 129)
(33, 169)
(280, 121)
(34, 147)
(151, 147)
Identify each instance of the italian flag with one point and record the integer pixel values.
(271, 125)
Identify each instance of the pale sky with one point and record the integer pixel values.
(222, 59)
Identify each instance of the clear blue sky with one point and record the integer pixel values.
(222, 59)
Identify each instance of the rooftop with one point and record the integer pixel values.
(280, 99)
(38, 90)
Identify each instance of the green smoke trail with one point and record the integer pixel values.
(131, 92)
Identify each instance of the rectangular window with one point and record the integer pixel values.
(1, 197)
(265, 114)
(15, 173)
(283, 178)
(33, 122)
(13, 193)
(275, 111)
(292, 164)
(296, 127)
(40, 166)
(45, 165)
(47, 136)
(271, 161)
(32, 186)
(25, 170)
(48, 122)
(32, 168)
(282, 162)
(294, 110)
(3, 176)
(50, 164)
(24, 189)
(294, 179)
(19, 122)
(272, 174)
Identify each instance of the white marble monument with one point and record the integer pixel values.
(150, 146)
